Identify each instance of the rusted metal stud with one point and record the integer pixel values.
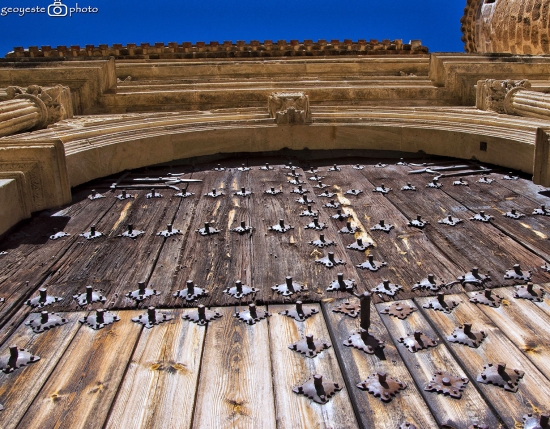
(252, 315)
(191, 292)
(382, 189)
(316, 225)
(243, 193)
(450, 220)
(334, 168)
(382, 226)
(91, 234)
(514, 214)
(354, 192)
(474, 278)
(418, 222)
(208, 230)
(500, 376)
(243, 167)
(289, 166)
(131, 232)
(402, 162)
(300, 313)
(44, 321)
(328, 194)
(142, 292)
(510, 176)
(332, 205)
(363, 340)
(201, 316)
(408, 187)
(447, 384)
(219, 168)
(529, 292)
(330, 261)
(308, 212)
(316, 178)
(99, 319)
(382, 386)
(533, 422)
(153, 194)
(485, 180)
(341, 216)
(55, 236)
(16, 359)
(89, 297)
(401, 310)
(349, 229)
(304, 200)
(299, 190)
(486, 297)
(266, 167)
(152, 318)
(318, 390)
(417, 341)
(434, 184)
(95, 195)
(320, 185)
(243, 229)
(517, 274)
(460, 182)
(380, 165)
(184, 193)
(341, 285)
(543, 211)
(42, 299)
(289, 287)
(273, 191)
(371, 265)
(296, 181)
(440, 304)
(309, 347)
(482, 217)
(281, 227)
(322, 242)
(358, 167)
(214, 194)
(169, 231)
(429, 283)
(407, 425)
(348, 308)
(360, 245)
(478, 426)
(544, 267)
(387, 288)
(239, 290)
(464, 335)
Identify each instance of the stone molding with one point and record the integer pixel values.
(496, 95)
(289, 108)
(226, 49)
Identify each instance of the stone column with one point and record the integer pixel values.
(32, 108)
(513, 98)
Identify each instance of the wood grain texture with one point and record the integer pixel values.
(407, 406)
(448, 411)
(158, 390)
(533, 392)
(291, 369)
(79, 392)
(235, 387)
(19, 388)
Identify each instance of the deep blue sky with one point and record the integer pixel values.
(435, 22)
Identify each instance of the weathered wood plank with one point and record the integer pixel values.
(19, 388)
(235, 387)
(407, 406)
(291, 369)
(79, 392)
(448, 411)
(533, 390)
(159, 386)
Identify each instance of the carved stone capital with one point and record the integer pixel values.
(495, 95)
(289, 108)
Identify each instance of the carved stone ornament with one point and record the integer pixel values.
(48, 100)
(494, 95)
(289, 108)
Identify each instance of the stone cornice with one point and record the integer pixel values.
(226, 49)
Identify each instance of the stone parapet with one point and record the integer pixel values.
(227, 49)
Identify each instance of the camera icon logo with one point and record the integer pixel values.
(57, 9)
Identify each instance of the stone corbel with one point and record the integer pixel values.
(289, 108)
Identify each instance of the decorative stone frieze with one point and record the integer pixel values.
(289, 108)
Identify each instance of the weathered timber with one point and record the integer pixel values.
(533, 390)
(235, 387)
(471, 408)
(19, 388)
(159, 387)
(291, 368)
(79, 392)
(407, 406)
